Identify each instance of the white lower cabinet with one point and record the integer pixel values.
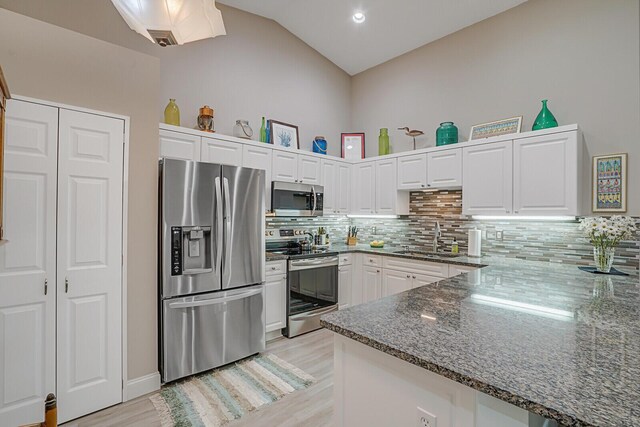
(60, 271)
(454, 270)
(371, 283)
(345, 281)
(395, 282)
(276, 296)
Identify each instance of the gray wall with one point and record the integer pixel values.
(257, 69)
(42, 61)
(583, 55)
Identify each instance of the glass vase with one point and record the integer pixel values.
(383, 142)
(545, 118)
(446, 134)
(603, 258)
(172, 113)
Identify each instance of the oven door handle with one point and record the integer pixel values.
(306, 264)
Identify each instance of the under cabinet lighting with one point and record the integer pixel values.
(372, 216)
(522, 218)
(358, 17)
(537, 310)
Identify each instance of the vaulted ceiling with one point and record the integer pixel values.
(391, 28)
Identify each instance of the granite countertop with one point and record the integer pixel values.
(545, 337)
(275, 257)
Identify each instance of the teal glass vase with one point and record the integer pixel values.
(545, 118)
(383, 142)
(446, 134)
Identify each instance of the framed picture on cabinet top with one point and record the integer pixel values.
(499, 127)
(353, 145)
(284, 135)
(609, 181)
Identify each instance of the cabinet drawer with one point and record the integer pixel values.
(276, 268)
(424, 267)
(454, 270)
(372, 261)
(345, 259)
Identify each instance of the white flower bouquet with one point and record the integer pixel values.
(605, 234)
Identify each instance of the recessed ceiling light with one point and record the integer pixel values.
(358, 17)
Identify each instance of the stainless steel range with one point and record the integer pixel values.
(312, 280)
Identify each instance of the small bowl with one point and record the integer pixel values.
(376, 246)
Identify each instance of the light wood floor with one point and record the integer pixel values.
(312, 407)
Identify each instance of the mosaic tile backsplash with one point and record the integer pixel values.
(551, 241)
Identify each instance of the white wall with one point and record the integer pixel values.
(583, 55)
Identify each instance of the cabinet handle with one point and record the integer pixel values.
(273, 268)
(515, 211)
(428, 185)
(46, 286)
(408, 276)
(377, 271)
(414, 277)
(66, 285)
(422, 185)
(508, 211)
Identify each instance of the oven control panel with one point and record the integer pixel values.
(286, 233)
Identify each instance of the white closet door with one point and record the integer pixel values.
(27, 314)
(89, 263)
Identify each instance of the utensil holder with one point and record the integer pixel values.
(352, 241)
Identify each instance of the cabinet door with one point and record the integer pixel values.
(309, 170)
(545, 175)
(356, 284)
(343, 188)
(444, 169)
(345, 279)
(275, 302)
(222, 152)
(386, 188)
(423, 279)
(329, 181)
(285, 166)
(259, 158)
(178, 145)
(394, 282)
(454, 270)
(371, 284)
(89, 256)
(364, 188)
(412, 172)
(28, 263)
(488, 179)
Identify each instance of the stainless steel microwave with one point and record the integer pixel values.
(295, 199)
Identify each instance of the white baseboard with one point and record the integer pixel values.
(142, 385)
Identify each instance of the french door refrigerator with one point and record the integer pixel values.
(211, 266)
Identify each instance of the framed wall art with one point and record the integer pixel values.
(609, 176)
(284, 135)
(499, 127)
(353, 145)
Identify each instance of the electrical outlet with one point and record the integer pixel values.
(374, 230)
(491, 235)
(499, 235)
(425, 419)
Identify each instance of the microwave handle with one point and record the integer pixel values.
(315, 200)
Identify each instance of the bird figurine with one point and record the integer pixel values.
(412, 133)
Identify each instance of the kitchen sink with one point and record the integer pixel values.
(422, 254)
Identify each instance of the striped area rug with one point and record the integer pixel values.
(223, 395)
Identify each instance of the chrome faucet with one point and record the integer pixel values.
(437, 235)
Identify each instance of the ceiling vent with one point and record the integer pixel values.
(162, 37)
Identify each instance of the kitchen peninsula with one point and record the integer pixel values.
(509, 344)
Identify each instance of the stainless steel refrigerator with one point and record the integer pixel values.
(211, 266)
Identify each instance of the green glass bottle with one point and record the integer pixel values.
(446, 134)
(263, 132)
(172, 113)
(383, 142)
(545, 118)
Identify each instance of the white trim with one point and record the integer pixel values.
(142, 385)
(124, 270)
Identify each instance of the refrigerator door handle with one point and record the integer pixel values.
(227, 236)
(219, 231)
(211, 301)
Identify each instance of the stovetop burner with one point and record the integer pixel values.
(294, 249)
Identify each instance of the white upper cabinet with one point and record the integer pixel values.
(259, 158)
(386, 187)
(412, 172)
(178, 145)
(545, 175)
(222, 152)
(444, 168)
(330, 183)
(343, 187)
(309, 170)
(364, 188)
(285, 166)
(488, 179)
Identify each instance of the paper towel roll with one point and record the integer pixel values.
(475, 243)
